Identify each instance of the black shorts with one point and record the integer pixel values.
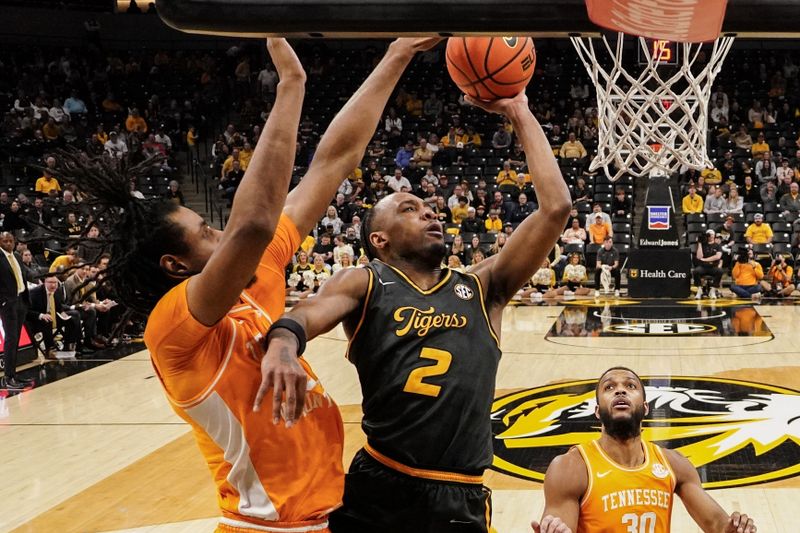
(379, 499)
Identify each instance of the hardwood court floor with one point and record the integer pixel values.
(102, 451)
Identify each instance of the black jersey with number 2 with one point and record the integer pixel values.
(427, 362)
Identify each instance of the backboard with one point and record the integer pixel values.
(391, 18)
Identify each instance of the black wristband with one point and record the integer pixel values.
(296, 329)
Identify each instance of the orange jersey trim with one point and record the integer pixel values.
(435, 475)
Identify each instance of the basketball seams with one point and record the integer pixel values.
(478, 80)
(451, 62)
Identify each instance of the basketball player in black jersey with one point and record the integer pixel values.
(424, 340)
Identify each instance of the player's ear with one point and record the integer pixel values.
(174, 266)
(646, 408)
(597, 411)
(378, 240)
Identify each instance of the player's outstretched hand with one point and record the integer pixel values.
(504, 106)
(550, 524)
(416, 44)
(740, 523)
(286, 62)
(281, 372)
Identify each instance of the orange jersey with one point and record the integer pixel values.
(267, 476)
(626, 499)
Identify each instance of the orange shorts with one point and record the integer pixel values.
(228, 525)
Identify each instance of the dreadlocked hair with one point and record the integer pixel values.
(140, 231)
(366, 229)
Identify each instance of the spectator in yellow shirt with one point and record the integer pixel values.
(245, 154)
(460, 210)
(136, 123)
(471, 138)
(493, 224)
(506, 176)
(63, 262)
(760, 146)
(51, 131)
(692, 202)
(758, 232)
(47, 183)
(712, 176)
(227, 166)
(572, 149)
(414, 105)
(191, 137)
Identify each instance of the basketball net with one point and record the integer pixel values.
(656, 121)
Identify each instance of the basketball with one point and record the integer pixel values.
(490, 68)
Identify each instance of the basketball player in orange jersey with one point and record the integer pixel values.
(217, 293)
(620, 483)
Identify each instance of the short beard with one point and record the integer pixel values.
(624, 429)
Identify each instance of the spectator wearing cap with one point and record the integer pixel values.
(404, 155)
(597, 209)
(715, 203)
(47, 182)
(599, 230)
(115, 146)
(397, 181)
(759, 231)
(707, 262)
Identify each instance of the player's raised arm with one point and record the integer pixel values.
(342, 147)
(564, 484)
(337, 299)
(259, 199)
(705, 511)
(533, 239)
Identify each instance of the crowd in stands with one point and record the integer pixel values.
(466, 165)
(124, 106)
(749, 200)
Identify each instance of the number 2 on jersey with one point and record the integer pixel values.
(644, 523)
(415, 385)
